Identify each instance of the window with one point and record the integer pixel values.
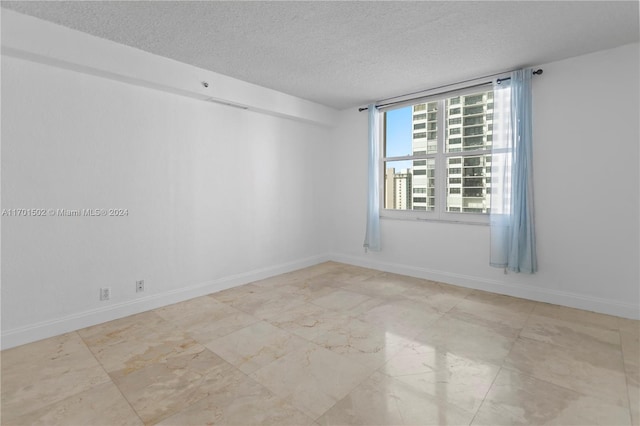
(448, 167)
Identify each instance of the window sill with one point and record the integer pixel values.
(434, 220)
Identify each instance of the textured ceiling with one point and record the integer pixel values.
(344, 54)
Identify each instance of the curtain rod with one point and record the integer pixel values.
(535, 72)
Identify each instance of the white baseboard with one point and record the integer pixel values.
(45, 329)
(588, 303)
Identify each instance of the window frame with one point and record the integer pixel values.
(441, 157)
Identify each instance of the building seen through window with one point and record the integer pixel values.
(454, 134)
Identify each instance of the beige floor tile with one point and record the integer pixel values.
(239, 400)
(570, 334)
(46, 372)
(630, 341)
(577, 316)
(634, 401)
(595, 373)
(311, 378)
(134, 342)
(384, 285)
(452, 289)
(322, 268)
(194, 311)
(340, 300)
(309, 321)
(493, 310)
(467, 340)
(307, 289)
(324, 273)
(354, 269)
(633, 388)
(163, 388)
(404, 281)
(384, 400)
(207, 331)
(343, 276)
(403, 317)
(235, 295)
(276, 281)
(100, 405)
(206, 319)
(362, 342)
(501, 300)
(265, 302)
(439, 297)
(255, 346)
(330, 281)
(629, 324)
(451, 378)
(517, 399)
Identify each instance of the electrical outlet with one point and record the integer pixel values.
(139, 286)
(105, 293)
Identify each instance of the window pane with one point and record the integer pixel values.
(411, 130)
(475, 125)
(469, 193)
(398, 132)
(425, 141)
(409, 185)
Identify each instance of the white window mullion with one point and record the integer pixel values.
(441, 165)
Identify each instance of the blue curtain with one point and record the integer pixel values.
(372, 237)
(513, 245)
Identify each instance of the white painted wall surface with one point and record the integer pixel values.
(216, 196)
(586, 161)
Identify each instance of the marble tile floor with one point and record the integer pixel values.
(334, 344)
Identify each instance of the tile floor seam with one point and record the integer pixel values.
(347, 394)
(187, 406)
(126, 399)
(55, 402)
(626, 377)
(562, 347)
(565, 388)
(484, 398)
(524, 324)
(556, 345)
(265, 387)
(289, 395)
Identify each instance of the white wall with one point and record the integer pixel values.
(586, 160)
(217, 196)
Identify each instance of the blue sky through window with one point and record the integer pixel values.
(399, 134)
